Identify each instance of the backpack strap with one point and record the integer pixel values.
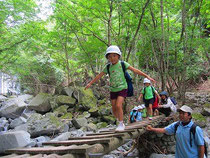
(107, 67)
(192, 130)
(123, 66)
(176, 126)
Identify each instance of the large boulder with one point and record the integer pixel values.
(66, 100)
(79, 122)
(12, 108)
(14, 139)
(85, 98)
(45, 125)
(41, 103)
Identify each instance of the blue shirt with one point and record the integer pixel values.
(183, 148)
(139, 116)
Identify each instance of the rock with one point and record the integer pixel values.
(109, 119)
(79, 122)
(68, 91)
(15, 139)
(91, 127)
(12, 108)
(154, 155)
(40, 103)
(17, 122)
(85, 98)
(102, 125)
(45, 125)
(67, 100)
(205, 111)
(62, 137)
(2, 98)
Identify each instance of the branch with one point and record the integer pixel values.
(137, 30)
(13, 45)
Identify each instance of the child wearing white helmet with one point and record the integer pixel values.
(118, 84)
(148, 94)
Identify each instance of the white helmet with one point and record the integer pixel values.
(113, 49)
(135, 108)
(146, 80)
(140, 107)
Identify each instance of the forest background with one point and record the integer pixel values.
(169, 40)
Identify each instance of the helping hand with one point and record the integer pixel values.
(149, 128)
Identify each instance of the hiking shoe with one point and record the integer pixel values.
(150, 118)
(121, 127)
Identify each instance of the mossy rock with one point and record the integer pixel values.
(62, 110)
(62, 99)
(102, 102)
(105, 110)
(86, 98)
(198, 117)
(67, 116)
(207, 105)
(109, 119)
(85, 115)
(102, 125)
(94, 112)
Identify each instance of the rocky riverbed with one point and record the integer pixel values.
(72, 112)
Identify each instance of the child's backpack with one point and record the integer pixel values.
(153, 92)
(173, 100)
(133, 115)
(127, 77)
(193, 130)
(155, 104)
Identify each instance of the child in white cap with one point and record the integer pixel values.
(118, 84)
(148, 94)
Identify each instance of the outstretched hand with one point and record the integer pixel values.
(149, 128)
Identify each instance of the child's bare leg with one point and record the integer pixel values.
(114, 108)
(119, 103)
(150, 110)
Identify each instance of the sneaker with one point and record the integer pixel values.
(150, 118)
(121, 127)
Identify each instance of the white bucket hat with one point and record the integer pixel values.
(113, 49)
(185, 108)
(146, 80)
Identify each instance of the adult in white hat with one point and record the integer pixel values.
(187, 146)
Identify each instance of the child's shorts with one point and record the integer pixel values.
(149, 101)
(123, 93)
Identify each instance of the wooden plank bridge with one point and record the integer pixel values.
(90, 146)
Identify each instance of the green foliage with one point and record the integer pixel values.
(73, 40)
(198, 116)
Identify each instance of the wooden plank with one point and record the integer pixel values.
(113, 131)
(51, 150)
(79, 142)
(95, 136)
